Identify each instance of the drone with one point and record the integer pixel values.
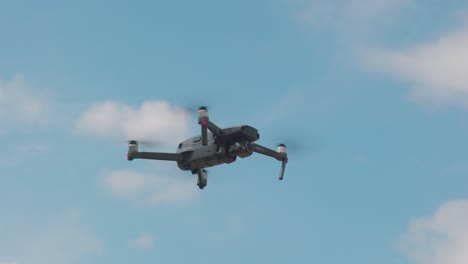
(215, 146)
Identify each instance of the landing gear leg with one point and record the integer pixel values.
(202, 178)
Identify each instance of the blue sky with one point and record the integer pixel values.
(377, 91)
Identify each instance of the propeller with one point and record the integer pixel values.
(150, 143)
(203, 119)
(194, 108)
(294, 145)
(203, 107)
(133, 146)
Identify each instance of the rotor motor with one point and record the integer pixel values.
(132, 146)
(282, 149)
(202, 115)
(132, 149)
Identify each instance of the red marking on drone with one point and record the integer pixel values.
(204, 122)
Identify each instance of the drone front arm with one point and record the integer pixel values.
(154, 156)
(216, 130)
(280, 155)
(206, 124)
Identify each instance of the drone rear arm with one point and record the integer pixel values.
(154, 156)
(269, 152)
(280, 155)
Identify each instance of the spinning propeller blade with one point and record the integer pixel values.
(133, 146)
(149, 143)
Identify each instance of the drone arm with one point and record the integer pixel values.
(206, 124)
(280, 155)
(268, 152)
(154, 156)
(216, 130)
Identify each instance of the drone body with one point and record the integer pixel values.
(219, 146)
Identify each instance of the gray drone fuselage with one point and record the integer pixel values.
(235, 143)
(214, 146)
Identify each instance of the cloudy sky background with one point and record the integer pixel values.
(376, 91)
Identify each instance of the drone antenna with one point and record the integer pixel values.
(203, 121)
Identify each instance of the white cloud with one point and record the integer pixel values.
(144, 241)
(440, 239)
(154, 120)
(20, 103)
(64, 238)
(438, 70)
(149, 190)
